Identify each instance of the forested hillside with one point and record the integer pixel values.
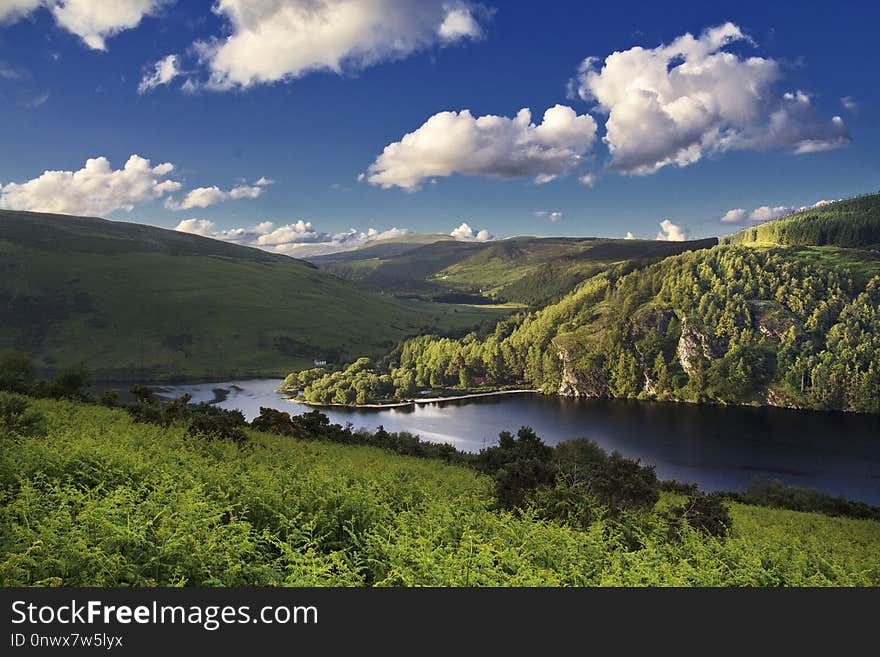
(853, 223)
(731, 324)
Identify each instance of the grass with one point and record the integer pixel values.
(101, 501)
(142, 303)
(525, 270)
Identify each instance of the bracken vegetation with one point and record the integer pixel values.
(102, 500)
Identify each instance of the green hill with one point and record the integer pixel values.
(526, 270)
(102, 501)
(136, 302)
(851, 223)
(795, 326)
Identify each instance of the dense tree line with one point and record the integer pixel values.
(853, 222)
(730, 324)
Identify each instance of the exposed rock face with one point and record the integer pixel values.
(650, 388)
(586, 384)
(691, 345)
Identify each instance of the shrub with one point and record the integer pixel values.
(275, 421)
(17, 372)
(518, 465)
(217, 423)
(705, 512)
(613, 480)
(109, 398)
(17, 418)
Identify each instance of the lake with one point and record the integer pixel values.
(717, 447)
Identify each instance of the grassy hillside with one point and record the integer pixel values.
(101, 501)
(525, 270)
(142, 303)
(851, 223)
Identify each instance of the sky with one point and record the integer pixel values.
(307, 126)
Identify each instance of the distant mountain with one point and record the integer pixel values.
(136, 302)
(529, 270)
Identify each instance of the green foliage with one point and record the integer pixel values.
(854, 222)
(103, 501)
(773, 493)
(17, 372)
(728, 324)
(517, 464)
(17, 419)
(217, 423)
(139, 303)
(705, 512)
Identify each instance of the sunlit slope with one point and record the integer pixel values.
(136, 302)
(529, 270)
(851, 223)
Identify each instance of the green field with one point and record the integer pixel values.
(524, 270)
(140, 303)
(101, 501)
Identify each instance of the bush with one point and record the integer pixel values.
(109, 398)
(705, 512)
(271, 420)
(17, 418)
(775, 494)
(216, 423)
(518, 465)
(614, 481)
(17, 372)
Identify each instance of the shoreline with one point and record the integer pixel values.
(408, 403)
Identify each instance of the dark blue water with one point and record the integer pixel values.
(717, 447)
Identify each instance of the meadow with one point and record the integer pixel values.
(103, 501)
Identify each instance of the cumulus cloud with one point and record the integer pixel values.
(493, 146)
(765, 213)
(466, 233)
(96, 189)
(93, 21)
(850, 105)
(676, 103)
(163, 72)
(203, 197)
(552, 215)
(275, 40)
(300, 238)
(629, 235)
(670, 232)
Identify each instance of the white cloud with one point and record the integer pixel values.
(629, 235)
(552, 215)
(275, 40)
(203, 197)
(12, 10)
(850, 105)
(94, 21)
(458, 24)
(97, 188)
(300, 239)
(676, 103)
(587, 180)
(494, 146)
(164, 71)
(670, 232)
(466, 233)
(766, 213)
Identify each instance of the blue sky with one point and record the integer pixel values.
(271, 128)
